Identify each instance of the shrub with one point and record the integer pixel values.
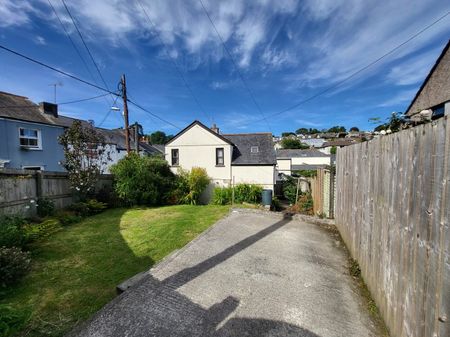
(143, 180)
(248, 193)
(242, 193)
(14, 264)
(11, 320)
(222, 196)
(276, 205)
(43, 229)
(290, 189)
(304, 204)
(45, 207)
(191, 184)
(87, 208)
(11, 231)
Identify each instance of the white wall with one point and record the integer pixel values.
(197, 148)
(311, 160)
(260, 175)
(284, 166)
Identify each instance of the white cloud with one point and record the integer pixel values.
(413, 70)
(14, 13)
(399, 98)
(40, 40)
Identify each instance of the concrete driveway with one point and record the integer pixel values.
(251, 274)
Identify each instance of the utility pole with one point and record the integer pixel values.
(125, 112)
(136, 136)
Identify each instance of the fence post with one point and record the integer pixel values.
(39, 181)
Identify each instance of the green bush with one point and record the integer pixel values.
(191, 184)
(11, 231)
(43, 229)
(14, 264)
(248, 193)
(11, 320)
(87, 208)
(290, 189)
(222, 196)
(276, 205)
(108, 196)
(45, 207)
(143, 180)
(242, 193)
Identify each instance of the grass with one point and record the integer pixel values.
(75, 270)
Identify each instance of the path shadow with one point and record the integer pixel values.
(156, 308)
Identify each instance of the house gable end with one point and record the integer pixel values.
(197, 134)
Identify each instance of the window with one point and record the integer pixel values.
(33, 168)
(219, 157)
(438, 111)
(254, 149)
(30, 138)
(175, 157)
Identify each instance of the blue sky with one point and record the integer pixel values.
(285, 50)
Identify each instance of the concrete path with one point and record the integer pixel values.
(251, 274)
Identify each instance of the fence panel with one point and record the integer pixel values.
(392, 209)
(20, 189)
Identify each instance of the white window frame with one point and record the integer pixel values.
(254, 149)
(38, 138)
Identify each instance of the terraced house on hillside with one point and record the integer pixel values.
(242, 158)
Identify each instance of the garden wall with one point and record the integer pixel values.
(392, 210)
(19, 189)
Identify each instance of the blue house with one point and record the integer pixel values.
(29, 134)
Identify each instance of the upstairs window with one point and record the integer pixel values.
(254, 149)
(219, 157)
(30, 138)
(175, 157)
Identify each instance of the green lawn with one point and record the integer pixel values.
(76, 270)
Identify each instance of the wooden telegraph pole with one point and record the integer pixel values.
(125, 112)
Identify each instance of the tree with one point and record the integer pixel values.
(287, 134)
(291, 143)
(337, 129)
(159, 137)
(354, 129)
(313, 131)
(143, 180)
(85, 154)
(302, 131)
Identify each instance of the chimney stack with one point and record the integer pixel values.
(215, 128)
(49, 108)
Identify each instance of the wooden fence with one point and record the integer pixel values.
(392, 210)
(322, 192)
(20, 189)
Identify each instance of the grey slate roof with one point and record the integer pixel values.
(117, 137)
(243, 142)
(21, 108)
(435, 89)
(294, 153)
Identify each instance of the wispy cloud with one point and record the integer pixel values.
(399, 98)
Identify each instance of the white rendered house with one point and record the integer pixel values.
(228, 158)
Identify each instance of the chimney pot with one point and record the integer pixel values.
(215, 128)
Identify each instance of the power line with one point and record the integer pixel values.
(109, 112)
(180, 73)
(83, 99)
(250, 92)
(84, 43)
(55, 69)
(71, 40)
(154, 115)
(83, 81)
(358, 71)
